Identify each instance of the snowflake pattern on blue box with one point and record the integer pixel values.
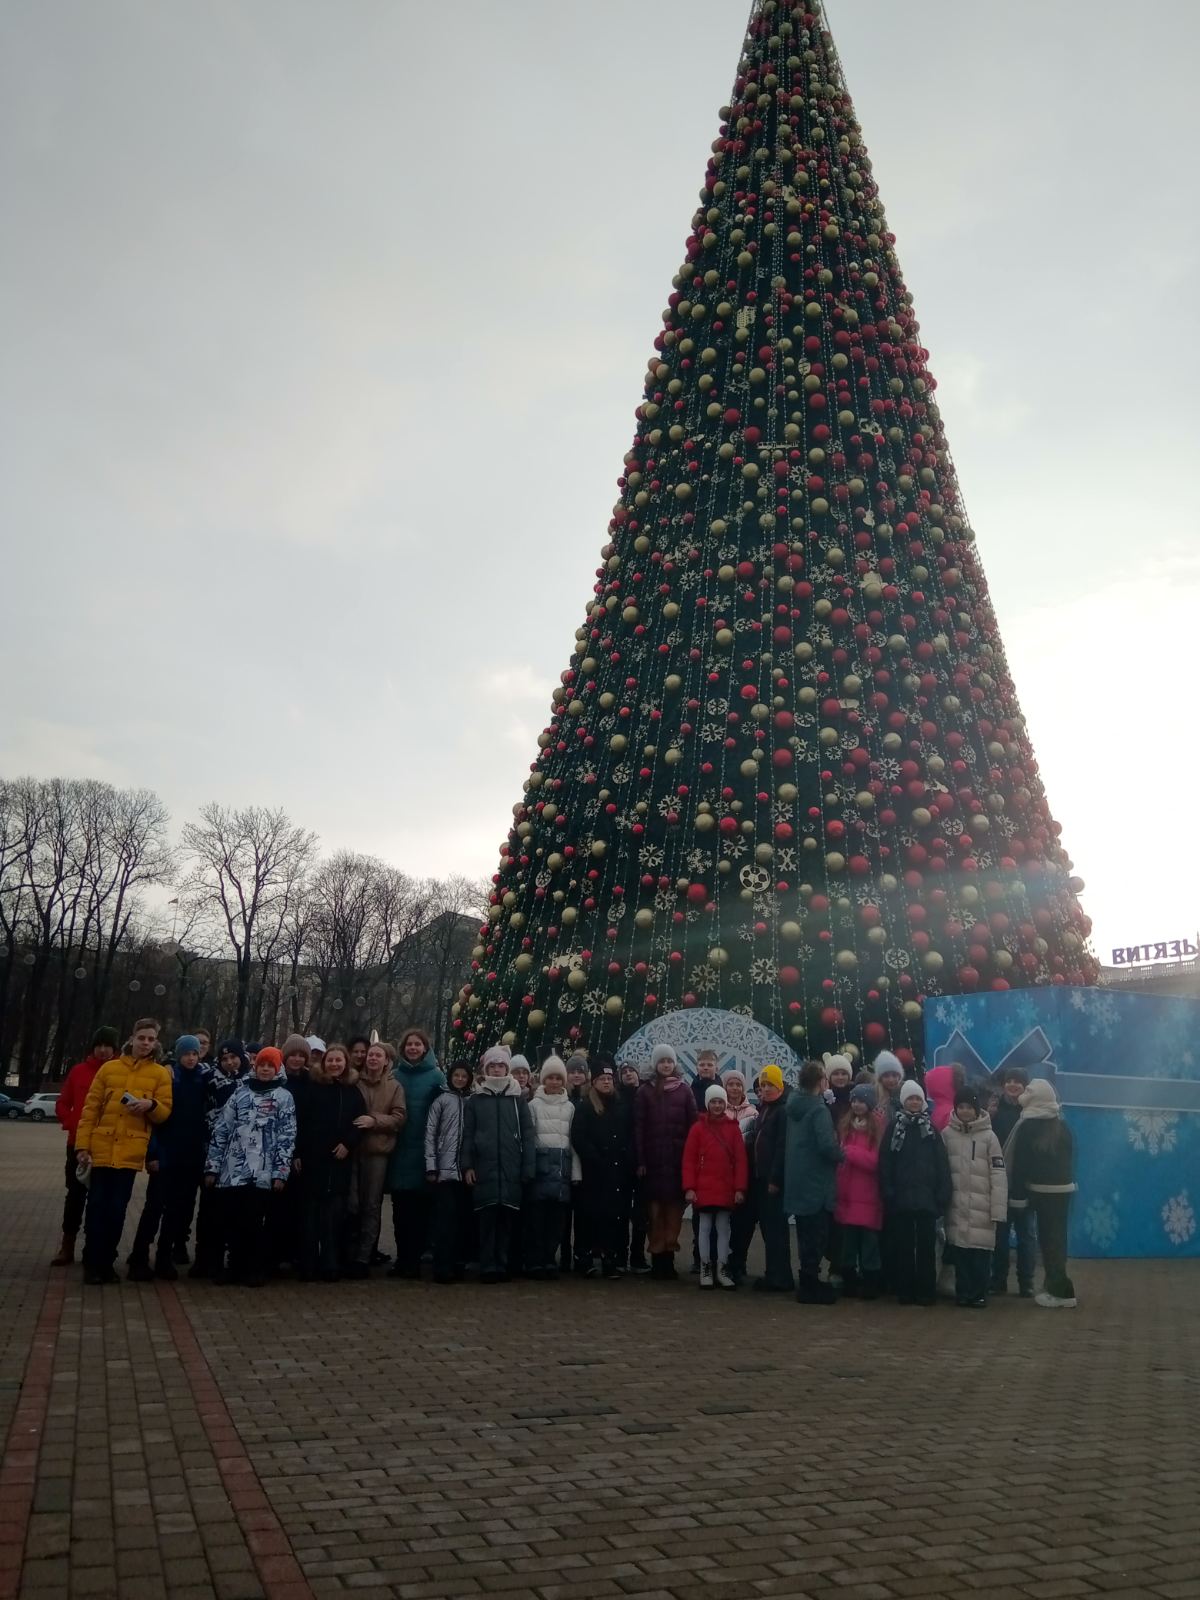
(1127, 1069)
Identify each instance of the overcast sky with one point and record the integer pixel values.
(323, 322)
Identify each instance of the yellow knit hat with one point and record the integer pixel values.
(771, 1075)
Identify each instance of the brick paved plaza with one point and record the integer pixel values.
(584, 1439)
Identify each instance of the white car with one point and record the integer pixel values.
(40, 1107)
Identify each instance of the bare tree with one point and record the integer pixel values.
(270, 937)
(20, 818)
(132, 855)
(246, 868)
(404, 907)
(456, 904)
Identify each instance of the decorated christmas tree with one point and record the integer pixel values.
(786, 773)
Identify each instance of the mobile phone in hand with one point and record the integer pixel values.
(128, 1099)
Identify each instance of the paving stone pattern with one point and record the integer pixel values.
(587, 1440)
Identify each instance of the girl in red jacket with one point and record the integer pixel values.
(859, 1209)
(715, 1175)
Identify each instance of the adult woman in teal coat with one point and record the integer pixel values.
(811, 1158)
(422, 1080)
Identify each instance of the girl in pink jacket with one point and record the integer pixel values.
(859, 1208)
(941, 1085)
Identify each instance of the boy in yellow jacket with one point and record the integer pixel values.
(127, 1096)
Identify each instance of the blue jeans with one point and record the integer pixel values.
(1021, 1223)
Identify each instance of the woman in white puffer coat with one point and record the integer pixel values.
(557, 1167)
(980, 1198)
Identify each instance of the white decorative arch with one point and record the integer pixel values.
(739, 1041)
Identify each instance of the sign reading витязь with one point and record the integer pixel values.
(1129, 955)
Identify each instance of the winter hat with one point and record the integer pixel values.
(519, 1061)
(295, 1045)
(885, 1061)
(838, 1064)
(271, 1057)
(554, 1067)
(663, 1052)
(599, 1066)
(185, 1042)
(713, 1093)
(966, 1097)
(1039, 1096)
(234, 1047)
(577, 1061)
(497, 1053)
(910, 1088)
(253, 1049)
(315, 1045)
(1017, 1074)
(864, 1095)
(108, 1036)
(772, 1076)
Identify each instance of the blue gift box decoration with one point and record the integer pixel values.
(1127, 1070)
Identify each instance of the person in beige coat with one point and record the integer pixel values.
(980, 1197)
(385, 1116)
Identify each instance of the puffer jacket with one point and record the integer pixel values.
(661, 1120)
(715, 1167)
(498, 1144)
(980, 1184)
(113, 1136)
(556, 1165)
(255, 1137)
(444, 1135)
(421, 1085)
(859, 1201)
(69, 1106)
(385, 1102)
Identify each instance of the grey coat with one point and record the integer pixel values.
(498, 1146)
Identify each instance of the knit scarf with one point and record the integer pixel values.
(904, 1121)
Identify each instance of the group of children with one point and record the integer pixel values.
(579, 1166)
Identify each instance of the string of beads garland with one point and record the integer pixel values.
(786, 772)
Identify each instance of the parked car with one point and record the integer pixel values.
(10, 1108)
(39, 1107)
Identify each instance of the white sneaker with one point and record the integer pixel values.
(1052, 1302)
(706, 1275)
(723, 1279)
